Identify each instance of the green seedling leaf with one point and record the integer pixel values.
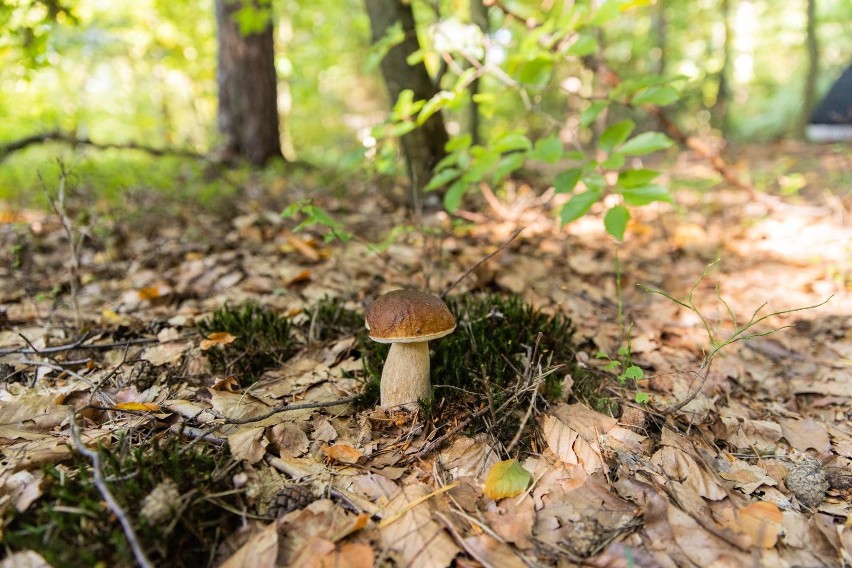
(595, 181)
(614, 161)
(567, 180)
(453, 197)
(506, 479)
(547, 150)
(638, 196)
(642, 397)
(615, 134)
(442, 178)
(592, 113)
(646, 143)
(510, 142)
(636, 178)
(586, 44)
(660, 96)
(508, 164)
(433, 105)
(607, 12)
(601, 355)
(536, 72)
(459, 143)
(616, 220)
(578, 206)
(634, 372)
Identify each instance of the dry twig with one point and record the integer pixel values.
(98, 476)
(481, 262)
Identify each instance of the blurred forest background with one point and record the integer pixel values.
(144, 72)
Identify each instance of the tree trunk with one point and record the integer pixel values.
(248, 96)
(479, 16)
(424, 146)
(719, 112)
(809, 92)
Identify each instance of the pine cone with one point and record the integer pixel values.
(290, 498)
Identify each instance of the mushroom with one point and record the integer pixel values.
(408, 320)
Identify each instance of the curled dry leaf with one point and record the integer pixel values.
(342, 453)
(216, 339)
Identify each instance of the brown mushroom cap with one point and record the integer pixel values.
(408, 316)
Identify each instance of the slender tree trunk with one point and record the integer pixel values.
(248, 96)
(479, 16)
(659, 27)
(719, 112)
(424, 146)
(809, 92)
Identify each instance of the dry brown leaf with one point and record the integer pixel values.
(140, 406)
(24, 559)
(468, 457)
(324, 431)
(569, 447)
(216, 339)
(248, 444)
(342, 453)
(23, 486)
(149, 293)
(491, 552)
(746, 476)
(680, 467)
(350, 555)
(513, 520)
(166, 353)
(290, 439)
(761, 522)
(261, 550)
(417, 540)
(805, 434)
(701, 546)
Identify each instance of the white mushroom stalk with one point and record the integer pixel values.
(408, 320)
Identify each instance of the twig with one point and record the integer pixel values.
(100, 483)
(74, 244)
(481, 262)
(66, 138)
(285, 407)
(78, 344)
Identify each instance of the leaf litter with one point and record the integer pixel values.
(754, 470)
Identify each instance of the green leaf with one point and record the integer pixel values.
(660, 96)
(508, 164)
(616, 220)
(615, 161)
(459, 143)
(634, 372)
(433, 105)
(510, 142)
(607, 12)
(591, 114)
(642, 397)
(636, 178)
(646, 143)
(547, 150)
(453, 197)
(646, 194)
(585, 44)
(595, 181)
(567, 180)
(615, 134)
(442, 178)
(536, 72)
(506, 479)
(578, 206)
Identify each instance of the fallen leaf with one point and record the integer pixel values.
(491, 552)
(216, 339)
(165, 353)
(761, 522)
(805, 434)
(149, 293)
(746, 476)
(506, 479)
(24, 559)
(248, 444)
(261, 551)
(350, 555)
(342, 453)
(141, 406)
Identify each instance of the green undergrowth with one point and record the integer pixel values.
(71, 526)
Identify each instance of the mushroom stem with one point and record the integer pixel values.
(405, 377)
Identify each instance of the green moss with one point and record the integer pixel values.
(263, 340)
(70, 526)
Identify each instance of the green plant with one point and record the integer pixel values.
(262, 341)
(69, 525)
(716, 341)
(317, 216)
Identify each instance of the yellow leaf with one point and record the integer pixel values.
(342, 453)
(142, 406)
(217, 338)
(149, 293)
(506, 479)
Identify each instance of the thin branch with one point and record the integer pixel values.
(481, 262)
(100, 483)
(78, 344)
(286, 407)
(67, 138)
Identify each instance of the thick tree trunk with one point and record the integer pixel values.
(424, 146)
(248, 100)
(809, 92)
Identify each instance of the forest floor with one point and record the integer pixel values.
(742, 459)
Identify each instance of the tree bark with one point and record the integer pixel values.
(479, 16)
(424, 146)
(719, 112)
(248, 94)
(809, 92)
